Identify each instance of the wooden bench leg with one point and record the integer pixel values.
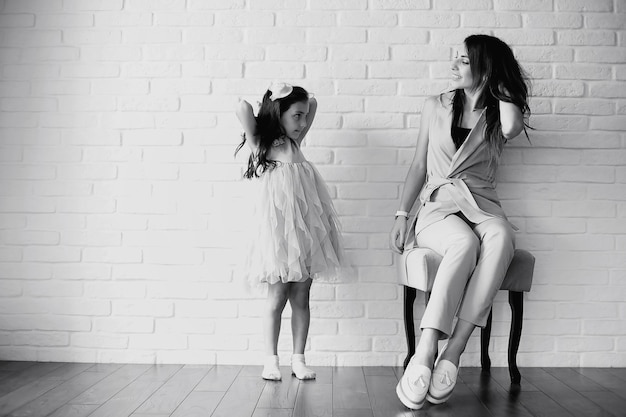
(409, 328)
(485, 336)
(516, 301)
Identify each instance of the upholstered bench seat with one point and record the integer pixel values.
(423, 264)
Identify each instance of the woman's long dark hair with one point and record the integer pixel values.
(493, 66)
(268, 129)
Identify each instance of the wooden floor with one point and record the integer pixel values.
(114, 390)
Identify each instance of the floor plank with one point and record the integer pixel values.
(105, 367)
(464, 400)
(575, 380)
(502, 376)
(74, 410)
(26, 394)
(350, 389)
(241, 397)
(149, 415)
(314, 399)
(619, 372)
(125, 402)
(541, 405)
(59, 396)
(273, 412)
(324, 374)
(610, 403)
(352, 412)
(383, 399)
(111, 385)
(501, 401)
(167, 398)
(219, 378)
(575, 403)
(378, 370)
(68, 371)
(26, 375)
(256, 370)
(199, 404)
(15, 366)
(606, 379)
(398, 371)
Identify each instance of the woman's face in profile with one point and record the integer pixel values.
(461, 72)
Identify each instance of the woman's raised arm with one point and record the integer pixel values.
(511, 118)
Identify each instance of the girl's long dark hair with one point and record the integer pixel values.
(268, 129)
(493, 66)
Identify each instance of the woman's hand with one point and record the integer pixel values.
(397, 235)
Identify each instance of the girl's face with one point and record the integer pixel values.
(293, 121)
(461, 71)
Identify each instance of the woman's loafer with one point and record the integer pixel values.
(413, 386)
(442, 383)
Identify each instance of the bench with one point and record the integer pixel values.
(424, 263)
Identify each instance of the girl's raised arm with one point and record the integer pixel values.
(248, 122)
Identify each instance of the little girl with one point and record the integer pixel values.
(296, 236)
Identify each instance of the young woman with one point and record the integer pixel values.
(461, 137)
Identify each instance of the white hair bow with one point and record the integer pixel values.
(279, 90)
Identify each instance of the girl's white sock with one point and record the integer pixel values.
(270, 369)
(299, 369)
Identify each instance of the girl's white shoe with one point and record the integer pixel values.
(299, 369)
(270, 369)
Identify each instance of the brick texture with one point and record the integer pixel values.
(122, 207)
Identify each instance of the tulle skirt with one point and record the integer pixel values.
(294, 233)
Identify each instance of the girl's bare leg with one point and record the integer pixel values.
(300, 319)
(276, 300)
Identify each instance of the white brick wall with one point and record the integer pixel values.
(121, 204)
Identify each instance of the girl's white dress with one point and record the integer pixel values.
(295, 233)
